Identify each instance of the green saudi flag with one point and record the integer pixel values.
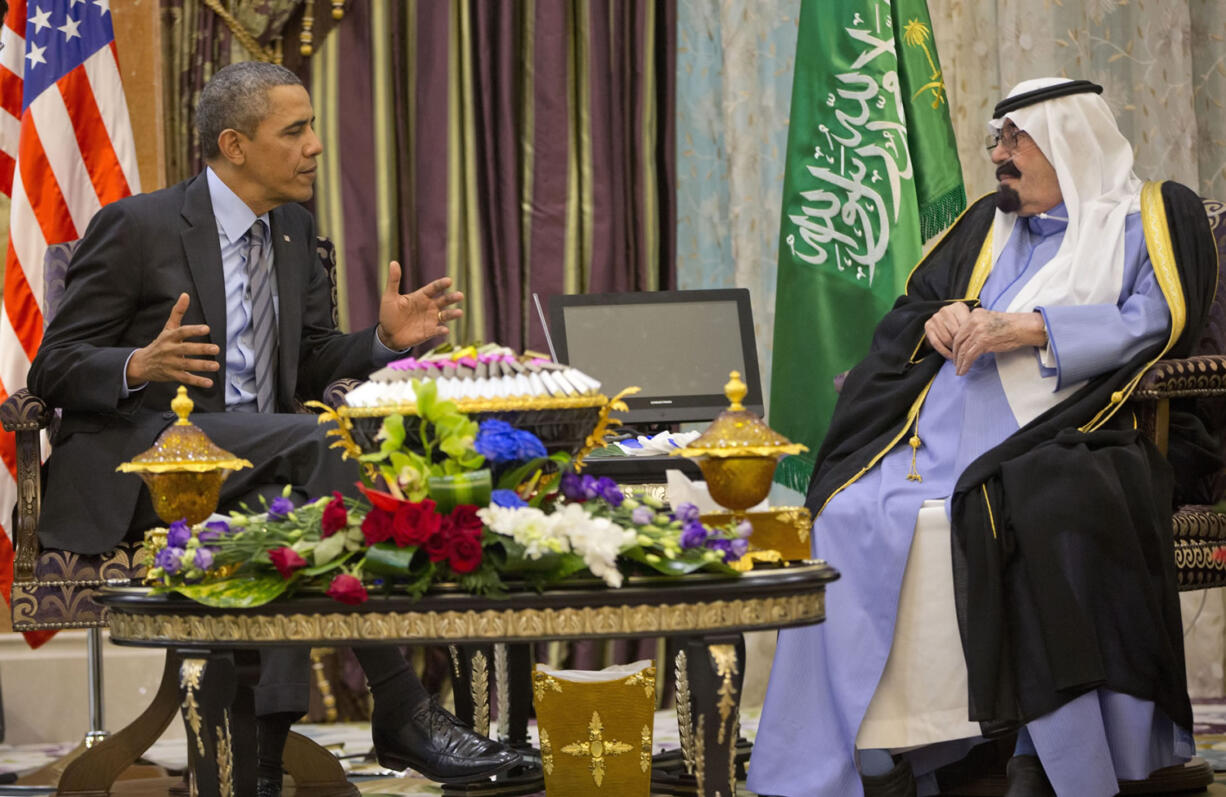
(872, 172)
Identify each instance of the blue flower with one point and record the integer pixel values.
(204, 558)
(280, 508)
(169, 559)
(178, 535)
(642, 515)
(693, 534)
(507, 498)
(499, 442)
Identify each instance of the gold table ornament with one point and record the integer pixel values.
(738, 454)
(183, 469)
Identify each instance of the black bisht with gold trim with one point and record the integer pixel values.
(1064, 571)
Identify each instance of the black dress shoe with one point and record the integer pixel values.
(267, 787)
(441, 748)
(898, 782)
(1027, 778)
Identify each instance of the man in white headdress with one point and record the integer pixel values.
(983, 430)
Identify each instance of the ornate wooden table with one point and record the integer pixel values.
(710, 611)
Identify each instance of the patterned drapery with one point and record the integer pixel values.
(518, 148)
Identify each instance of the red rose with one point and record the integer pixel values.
(439, 544)
(414, 523)
(347, 589)
(335, 515)
(286, 560)
(377, 526)
(465, 519)
(464, 554)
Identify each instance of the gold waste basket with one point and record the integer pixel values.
(595, 729)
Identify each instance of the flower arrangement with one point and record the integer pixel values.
(468, 504)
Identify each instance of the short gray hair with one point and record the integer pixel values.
(237, 98)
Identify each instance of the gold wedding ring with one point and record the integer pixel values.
(440, 316)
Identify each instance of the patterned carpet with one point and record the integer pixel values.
(351, 741)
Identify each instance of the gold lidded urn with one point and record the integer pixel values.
(184, 469)
(738, 454)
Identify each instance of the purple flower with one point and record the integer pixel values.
(693, 535)
(572, 487)
(744, 529)
(213, 531)
(732, 549)
(204, 558)
(608, 490)
(178, 534)
(507, 498)
(686, 512)
(169, 559)
(280, 508)
(642, 515)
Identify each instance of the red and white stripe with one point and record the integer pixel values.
(67, 155)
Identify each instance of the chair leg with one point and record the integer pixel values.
(92, 771)
(93, 663)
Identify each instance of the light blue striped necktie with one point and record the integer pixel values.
(263, 316)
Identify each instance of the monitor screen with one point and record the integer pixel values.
(678, 346)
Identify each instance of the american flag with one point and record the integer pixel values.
(66, 149)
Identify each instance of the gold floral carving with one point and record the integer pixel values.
(225, 757)
(799, 518)
(604, 425)
(542, 681)
(645, 752)
(479, 688)
(343, 434)
(455, 660)
(724, 657)
(502, 679)
(700, 752)
(645, 678)
(546, 752)
(684, 728)
(191, 671)
(596, 748)
(485, 625)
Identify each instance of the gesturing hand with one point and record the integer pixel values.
(989, 331)
(943, 326)
(170, 357)
(406, 319)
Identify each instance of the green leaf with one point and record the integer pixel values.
(329, 548)
(236, 593)
(387, 559)
(426, 393)
(669, 567)
(310, 572)
(517, 475)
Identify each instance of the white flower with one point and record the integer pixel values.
(528, 526)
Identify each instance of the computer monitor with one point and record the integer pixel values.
(678, 346)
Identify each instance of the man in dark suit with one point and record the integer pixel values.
(215, 283)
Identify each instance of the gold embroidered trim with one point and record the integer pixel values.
(988, 503)
(1166, 272)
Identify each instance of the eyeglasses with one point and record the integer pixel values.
(1010, 137)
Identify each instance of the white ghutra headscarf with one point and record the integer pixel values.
(1093, 163)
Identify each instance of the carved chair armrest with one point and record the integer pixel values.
(334, 394)
(25, 414)
(25, 411)
(1204, 375)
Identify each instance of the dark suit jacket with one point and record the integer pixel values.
(134, 260)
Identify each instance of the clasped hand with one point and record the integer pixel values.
(961, 334)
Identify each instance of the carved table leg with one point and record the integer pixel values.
(220, 724)
(96, 769)
(710, 672)
(472, 670)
